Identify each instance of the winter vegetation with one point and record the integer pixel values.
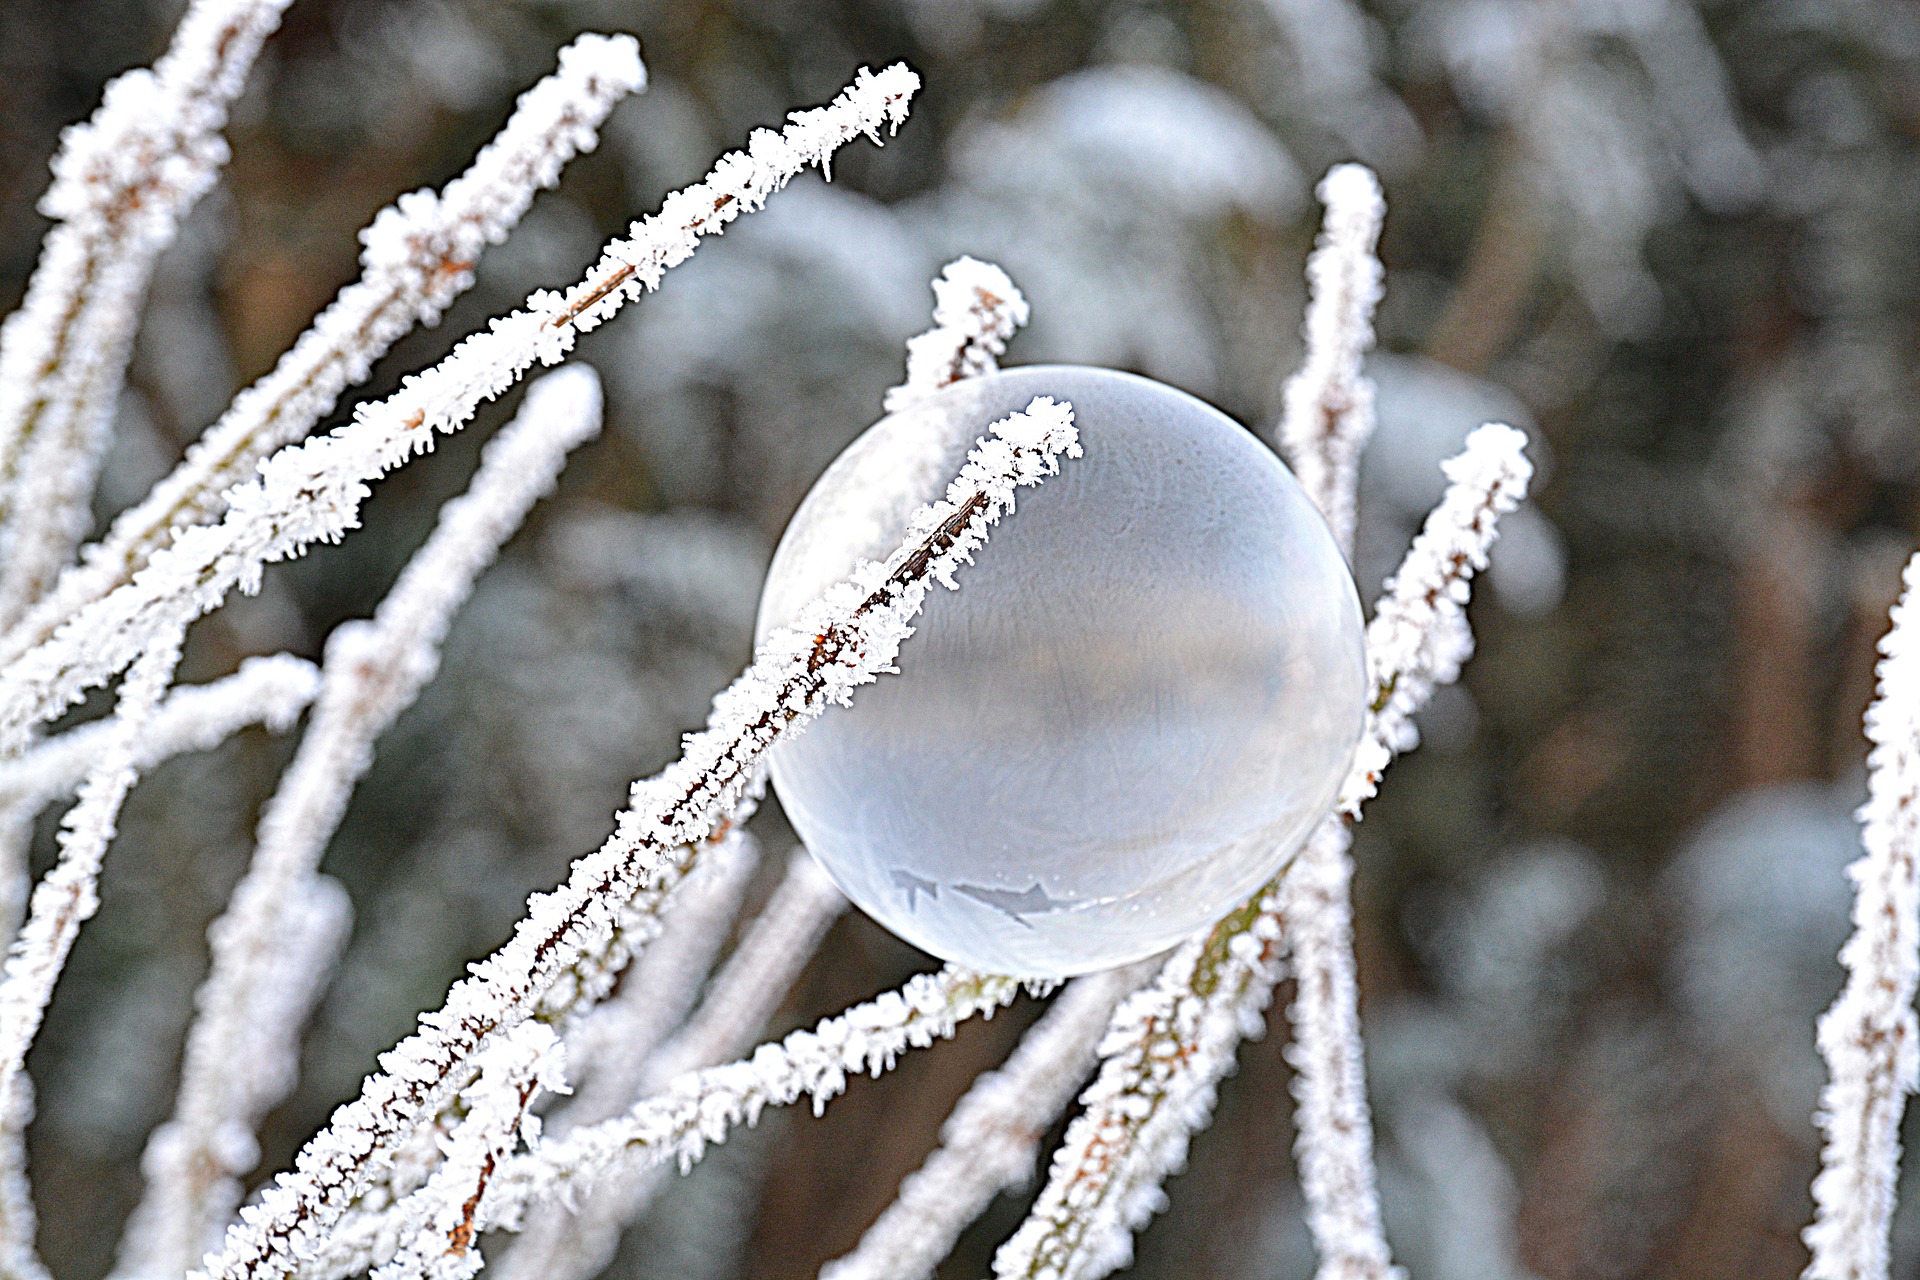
(283, 995)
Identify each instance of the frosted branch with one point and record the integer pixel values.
(1329, 402)
(1168, 1047)
(847, 637)
(18, 1258)
(608, 1051)
(1868, 1037)
(68, 895)
(1333, 1125)
(419, 256)
(312, 492)
(989, 1143)
(270, 691)
(702, 1107)
(1419, 636)
(576, 1240)
(121, 184)
(441, 1220)
(976, 308)
(284, 925)
(1165, 1051)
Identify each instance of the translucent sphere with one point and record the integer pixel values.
(1142, 697)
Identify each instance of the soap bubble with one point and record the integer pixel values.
(1141, 699)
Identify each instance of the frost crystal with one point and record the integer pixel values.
(576, 1240)
(268, 691)
(18, 1260)
(441, 1221)
(989, 1142)
(312, 492)
(67, 896)
(1329, 402)
(976, 308)
(701, 1107)
(121, 184)
(1333, 1123)
(285, 923)
(1869, 1036)
(845, 639)
(1419, 635)
(420, 254)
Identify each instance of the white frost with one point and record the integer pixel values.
(285, 924)
(1869, 1036)
(1329, 402)
(976, 308)
(1168, 1047)
(989, 1142)
(846, 638)
(121, 184)
(312, 492)
(68, 894)
(419, 256)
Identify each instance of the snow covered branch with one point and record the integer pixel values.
(268, 691)
(19, 1260)
(1168, 1047)
(1419, 636)
(847, 637)
(976, 308)
(419, 256)
(68, 896)
(576, 1240)
(121, 184)
(1333, 1124)
(1165, 1050)
(989, 1142)
(1328, 420)
(609, 1050)
(1329, 402)
(442, 1219)
(701, 1107)
(285, 923)
(312, 492)
(1869, 1035)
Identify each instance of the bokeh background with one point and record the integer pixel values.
(1598, 908)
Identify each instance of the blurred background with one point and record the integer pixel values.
(1598, 908)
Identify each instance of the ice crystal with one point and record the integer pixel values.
(1870, 1038)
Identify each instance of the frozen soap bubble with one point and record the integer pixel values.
(1143, 696)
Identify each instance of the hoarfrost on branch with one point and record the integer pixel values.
(285, 922)
(419, 255)
(976, 308)
(1869, 1036)
(312, 492)
(1329, 402)
(846, 638)
(1168, 1047)
(121, 184)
